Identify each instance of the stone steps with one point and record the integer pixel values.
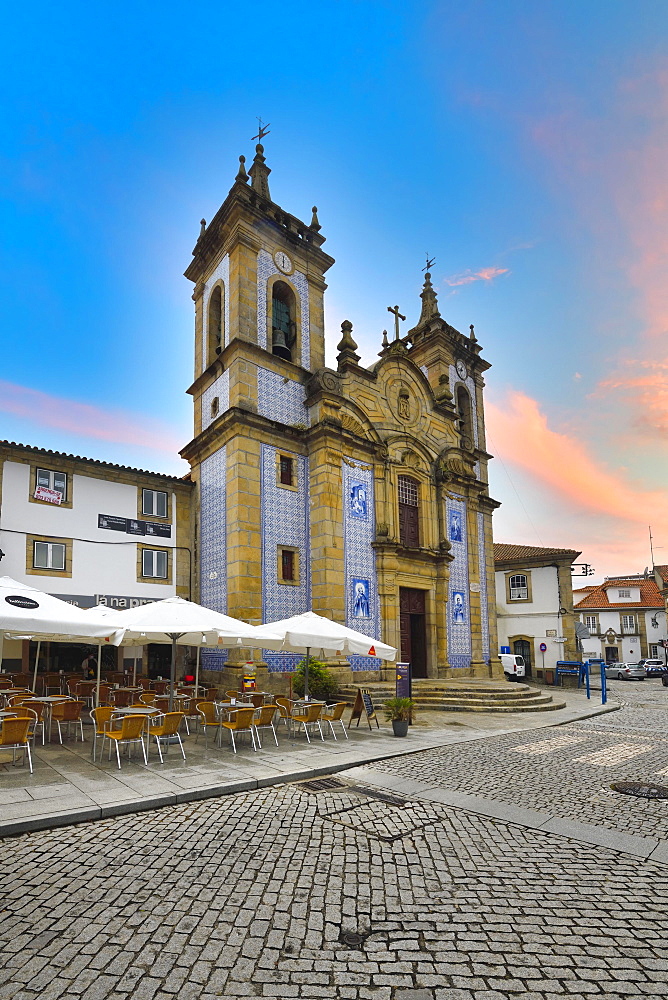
(464, 696)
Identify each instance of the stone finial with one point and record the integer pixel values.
(347, 347)
(386, 342)
(242, 175)
(429, 301)
(259, 173)
(474, 339)
(202, 229)
(315, 223)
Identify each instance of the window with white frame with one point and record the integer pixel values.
(52, 480)
(628, 623)
(48, 555)
(624, 593)
(591, 621)
(519, 587)
(154, 563)
(653, 651)
(154, 502)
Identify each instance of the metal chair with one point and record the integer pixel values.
(208, 718)
(168, 728)
(309, 716)
(242, 722)
(334, 713)
(101, 717)
(14, 735)
(264, 719)
(66, 713)
(131, 731)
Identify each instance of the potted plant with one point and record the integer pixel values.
(399, 711)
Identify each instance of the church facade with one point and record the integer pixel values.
(358, 492)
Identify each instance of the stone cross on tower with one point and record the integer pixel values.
(397, 316)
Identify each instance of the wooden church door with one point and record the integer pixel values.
(413, 626)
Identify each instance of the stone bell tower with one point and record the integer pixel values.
(259, 283)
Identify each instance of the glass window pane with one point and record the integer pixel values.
(161, 504)
(44, 478)
(147, 501)
(41, 555)
(147, 562)
(60, 482)
(57, 556)
(161, 565)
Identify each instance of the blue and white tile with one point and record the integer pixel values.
(220, 273)
(220, 388)
(458, 632)
(359, 533)
(482, 572)
(213, 531)
(281, 399)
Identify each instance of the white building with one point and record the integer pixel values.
(534, 604)
(626, 618)
(91, 532)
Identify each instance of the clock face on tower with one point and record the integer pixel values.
(461, 369)
(282, 261)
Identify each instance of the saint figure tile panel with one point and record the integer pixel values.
(362, 601)
(457, 609)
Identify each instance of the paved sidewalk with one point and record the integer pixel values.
(67, 787)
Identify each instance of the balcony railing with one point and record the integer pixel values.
(629, 629)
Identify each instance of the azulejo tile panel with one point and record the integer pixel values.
(281, 399)
(220, 273)
(458, 609)
(482, 573)
(265, 269)
(219, 388)
(213, 531)
(362, 600)
(285, 514)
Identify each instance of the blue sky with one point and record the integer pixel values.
(523, 145)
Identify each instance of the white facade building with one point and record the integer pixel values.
(91, 532)
(534, 604)
(626, 618)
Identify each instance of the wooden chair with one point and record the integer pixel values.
(308, 716)
(334, 713)
(131, 731)
(160, 687)
(22, 680)
(263, 718)
(167, 728)
(241, 722)
(14, 735)
(66, 713)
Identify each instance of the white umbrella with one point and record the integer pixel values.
(25, 611)
(187, 624)
(309, 630)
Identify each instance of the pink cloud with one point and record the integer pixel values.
(577, 499)
(563, 464)
(645, 384)
(85, 420)
(484, 274)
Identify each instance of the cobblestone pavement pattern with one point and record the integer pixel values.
(256, 895)
(566, 770)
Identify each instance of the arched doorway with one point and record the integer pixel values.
(521, 647)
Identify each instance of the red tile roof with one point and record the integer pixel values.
(650, 595)
(517, 553)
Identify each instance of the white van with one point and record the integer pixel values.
(513, 666)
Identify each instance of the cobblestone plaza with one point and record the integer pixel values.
(348, 892)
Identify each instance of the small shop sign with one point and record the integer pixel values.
(134, 526)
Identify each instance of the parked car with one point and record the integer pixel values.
(513, 666)
(625, 671)
(654, 668)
